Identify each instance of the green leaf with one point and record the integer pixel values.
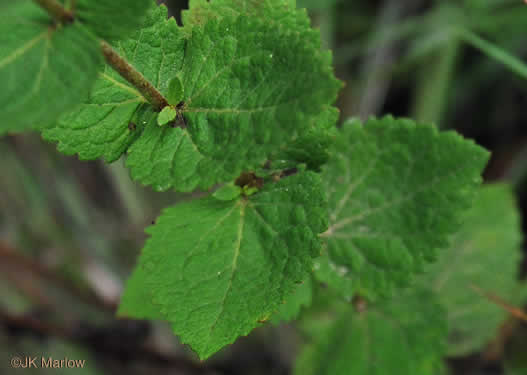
(219, 268)
(165, 157)
(175, 91)
(166, 115)
(312, 146)
(101, 130)
(326, 305)
(290, 309)
(136, 301)
(404, 336)
(116, 113)
(396, 191)
(44, 69)
(226, 131)
(228, 192)
(111, 19)
(484, 257)
(278, 13)
(249, 88)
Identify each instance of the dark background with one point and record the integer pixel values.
(70, 231)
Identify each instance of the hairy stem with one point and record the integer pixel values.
(119, 64)
(128, 72)
(56, 10)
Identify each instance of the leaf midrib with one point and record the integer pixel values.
(243, 204)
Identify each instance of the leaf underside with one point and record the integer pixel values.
(217, 269)
(396, 190)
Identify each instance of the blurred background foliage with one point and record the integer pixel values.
(70, 231)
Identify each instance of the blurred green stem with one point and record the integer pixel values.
(377, 81)
(388, 34)
(492, 50)
(434, 80)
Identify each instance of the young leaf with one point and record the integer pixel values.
(403, 336)
(218, 268)
(111, 19)
(228, 192)
(166, 115)
(396, 190)
(175, 91)
(45, 69)
(483, 261)
(114, 115)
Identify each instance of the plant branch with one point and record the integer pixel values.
(56, 10)
(128, 72)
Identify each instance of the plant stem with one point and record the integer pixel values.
(120, 65)
(492, 50)
(133, 76)
(432, 89)
(56, 10)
